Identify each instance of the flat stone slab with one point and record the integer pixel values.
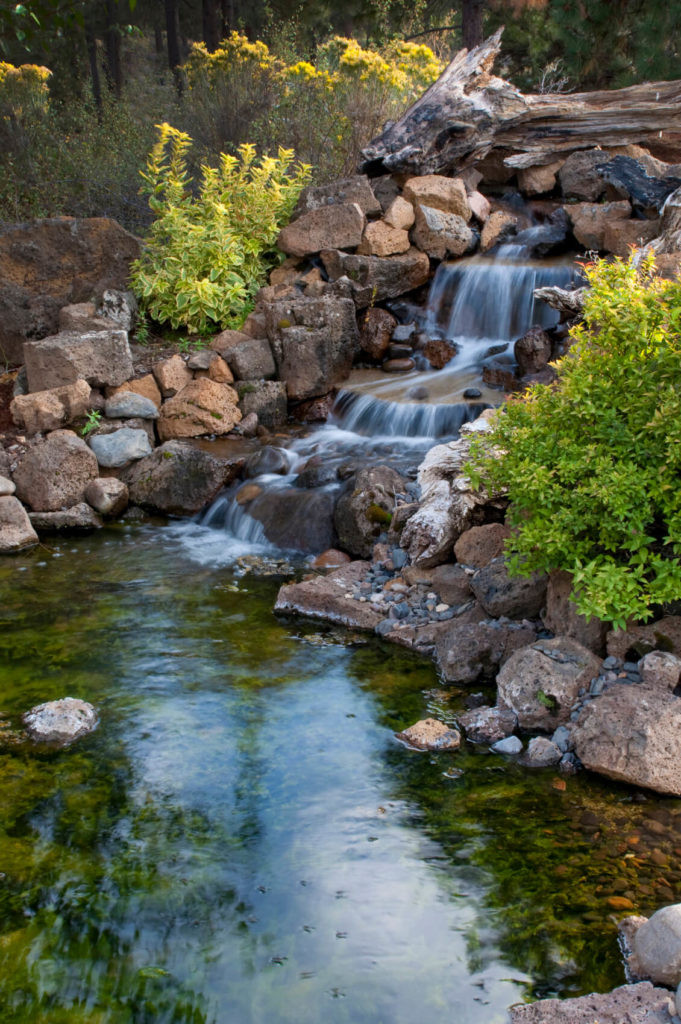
(324, 598)
(629, 1004)
(60, 721)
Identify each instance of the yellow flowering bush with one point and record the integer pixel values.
(23, 89)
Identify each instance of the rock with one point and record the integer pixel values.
(266, 398)
(16, 532)
(480, 206)
(438, 193)
(620, 235)
(542, 239)
(47, 264)
(627, 177)
(81, 317)
(201, 407)
(429, 734)
(561, 615)
(249, 358)
(488, 725)
(172, 375)
(106, 426)
(398, 365)
(365, 510)
(400, 214)
(315, 410)
(451, 582)
(500, 373)
(376, 327)
(331, 559)
(629, 1004)
(129, 404)
(78, 517)
(532, 351)
(499, 227)
(323, 597)
(541, 682)
(266, 461)
(538, 180)
(53, 473)
(656, 945)
(356, 190)
(121, 447)
(49, 410)
(219, 371)
(668, 265)
(118, 306)
(511, 745)
(377, 278)
(296, 520)
(468, 651)
(439, 234)
(99, 357)
(589, 221)
(438, 352)
(517, 597)
(6, 487)
(107, 495)
(541, 753)
(579, 177)
(631, 733)
(660, 670)
(178, 478)
(340, 225)
(632, 643)
(314, 342)
(145, 386)
(479, 545)
(380, 239)
(60, 721)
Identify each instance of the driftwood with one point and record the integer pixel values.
(468, 112)
(569, 303)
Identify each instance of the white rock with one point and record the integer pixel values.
(60, 721)
(510, 745)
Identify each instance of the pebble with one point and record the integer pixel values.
(441, 608)
(472, 393)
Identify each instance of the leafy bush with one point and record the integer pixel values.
(207, 255)
(592, 465)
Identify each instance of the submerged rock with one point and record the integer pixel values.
(60, 721)
(430, 734)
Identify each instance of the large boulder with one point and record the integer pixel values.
(439, 193)
(99, 357)
(629, 1004)
(620, 235)
(579, 176)
(365, 509)
(561, 615)
(468, 651)
(440, 234)
(632, 643)
(656, 947)
(338, 226)
(356, 190)
(314, 342)
(78, 517)
(377, 278)
(325, 597)
(518, 597)
(49, 410)
(178, 478)
(296, 520)
(541, 682)
(53, 473)
(47, 264)
(266, 398)
(16, 532)
(589, 221)
(202, 407)
(632, 733)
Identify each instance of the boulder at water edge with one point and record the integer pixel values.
(179, 479)
(60, 722)
(629, 1004)
(53, 473)
(656, 947)
(16, 532)
(429, 734)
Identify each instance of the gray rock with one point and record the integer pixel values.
(120, 307)
(517, 597)
(78, 517)
(541, 753)
(16, 532)
(178, 478)
(107, 495)
(324, 597)
(579, 177)
(656, 945)
(629, 1004)
(365, 509)
(99, 357)
(487, 725)
(128, 405)
(660, 669)
(250, 359)
(510, 745)
(561, 616)
(345, 190)
(266, 399)
(53, 473)
(6, 487)
(60, 722)
(376, 278)
(438, 233)
(296, 520)
(340, 225)
(562, 738)
(125, 445)
(467, 651)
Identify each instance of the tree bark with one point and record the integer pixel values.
(91, 46)
(211, 24)
(173, 39)
(471, 23)
(468, 112)
(112, 66)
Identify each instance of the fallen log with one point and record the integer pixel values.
(468, 112)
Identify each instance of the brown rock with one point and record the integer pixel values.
(172, 375)
(49, 410)
(468, 651)
(499, 228)
(99, 357)
(480, 206)
(589, 221)
(382, 240)
(438, 352)
(561, 615)
(493, 169)
(660, 670)
(180, 479)
(629, 1004)
(579, 177)
(377, 278)
(438, 233)
(536, 181)
(78, 517)
(219, 370)
(145, 386)
(400, 214)
(514, 596)
(401, 365)
(451, 582)
(315, 410)
(532, 351)
(501, 375)
(228, 339)
(621, 235)
(365, 510)
(16, 532)
(288, 273)
(248, 493)
(376, 328)
(339, 226)
(439, 193)
(632, 643)
(331, 559)
(429, 734)
(357, 189)
(108, 496)
(81, 317)
(201, 407)
(668, 265)
(324, 598)
(487, 725)
(53, 473)
(479, 545)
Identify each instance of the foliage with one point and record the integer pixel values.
(592, 464)
(91, 422)
(207, 255)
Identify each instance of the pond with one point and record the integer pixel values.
(244, 840)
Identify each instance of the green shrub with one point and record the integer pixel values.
(207, 255)
(592, 465)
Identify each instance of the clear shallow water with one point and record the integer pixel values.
(243, 839)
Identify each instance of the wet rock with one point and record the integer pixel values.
(99, 357)
(201, 407)
(472, 393)
(511, 745)
(380, 239)
(438, 352)
(488, 725)
(127, 404)
(629, 1004)
(438, 192)
(121, 447)
(78, 517)
(324, 597)
(315, 410)
(296, 520)
(537, 181)
(440, 234)
(60, 722)
(656, 946)
(268, 460)
(145, 386)
(481, 544)
(499, 228)
(660, 670)
(107, 495)
(365, 510)
(499, 594)
(541, 753)
(418, 393)
(542, 239)
(246, 494)
(340, 225)
(541, 682)
(331, 559)
(589, 221)
(635, 641)
(357, 189)
(377, 278)
(316, 473)
(398, 365)
(532, 351)
(266, 398)
(400, 214)
(53, 473)
(49, 410)
(501, 373)
(466, 652)
(561, 615)
(178, 478)
(16, 531)
(171, 375)
(375, 332)
(631, 733)
(429, 734)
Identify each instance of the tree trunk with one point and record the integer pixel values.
(91, 46)
(471, 23)
(211, 24)
(173, 42)
(468, 112)
(158, 38)
(112, 66)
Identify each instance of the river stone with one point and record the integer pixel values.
(479, 545)
(629, 1004)
(78, 517)
(16, 531)
(499, 594)
(128, 405)
(656, 945)
(365, 509)
(488, 725)
(541, 682)
(324, 597)
(398, 365)
(7, 487)
(178, 478)
(632, 733)
(468, 651)
(660, 669)
(340, 225)
(202, 407)
(107, 495)
(60, 721)
(429, 734)
(42, 411)
(53, 472)
(510, 745)
(99, 357)
(541, 753)
(121, 447)
(296, 520)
